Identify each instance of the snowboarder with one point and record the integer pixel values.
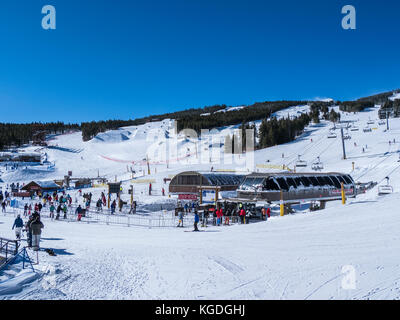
(18, 225)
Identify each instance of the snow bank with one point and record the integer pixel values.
(15, 284)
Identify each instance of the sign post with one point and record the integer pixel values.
(282, 206)
(343, 194)
(113, 188)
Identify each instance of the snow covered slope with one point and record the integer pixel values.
(301, 256)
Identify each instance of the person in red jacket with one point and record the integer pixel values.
(242, 215)
(219, 216)
(269, 212)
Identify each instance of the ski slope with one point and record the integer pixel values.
(302, 256)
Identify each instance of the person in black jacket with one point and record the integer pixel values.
(36, 227)
(58, 212)
(29, 231)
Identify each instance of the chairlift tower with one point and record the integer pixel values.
(343, 144)
(387, 118)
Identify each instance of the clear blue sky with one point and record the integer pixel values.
(121, 59)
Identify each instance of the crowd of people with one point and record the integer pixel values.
(5, 200)
(220, 215)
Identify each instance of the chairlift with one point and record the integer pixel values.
(371, 121)
(354, 128)
(317, 165)
(382, 122)
(367, 129)
(301, 163)
(386, 189)
(332, 135)
(347, 137)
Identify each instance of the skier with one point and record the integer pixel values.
(52, 208)
(196, 221)
(180, 224)
(3, 206)
(99, 206)
(228, 213)
(58, 211)
(263, 213)
(113, 205)
(36, 227)
(219, 216)
(78, 210)
(269, 212)
(242, 216)
(25, 209)
(18, 225)
(133, 208)
(65, 211)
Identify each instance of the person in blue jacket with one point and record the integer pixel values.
(196, 220)
(18, 225)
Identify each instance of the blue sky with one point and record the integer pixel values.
(121, 59)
